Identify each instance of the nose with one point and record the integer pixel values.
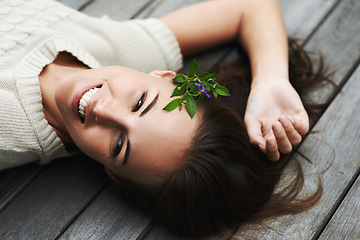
(109, 113)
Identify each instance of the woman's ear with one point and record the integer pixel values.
(169, 75)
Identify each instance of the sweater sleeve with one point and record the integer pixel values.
(144, 44)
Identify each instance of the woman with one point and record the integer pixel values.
(60, 89)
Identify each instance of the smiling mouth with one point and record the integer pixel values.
(84, 102)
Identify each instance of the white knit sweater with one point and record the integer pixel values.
(32, 33)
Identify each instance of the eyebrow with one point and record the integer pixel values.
(127, 153)
(150, 105)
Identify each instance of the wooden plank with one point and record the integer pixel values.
(76, 4)
(303, 16)
(115, 9)
(338, 40)
(159, 8)
(162, 231)
(333, 158)
(13, 181)
(53, 199)
(108, 217)
(346, 221)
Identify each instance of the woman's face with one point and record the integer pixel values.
(122, 124)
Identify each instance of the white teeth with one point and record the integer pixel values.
(83, 101)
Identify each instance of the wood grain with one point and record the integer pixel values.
(13, 181)
(345, 224)
(338, 40)
(303, 16)
(76, 4)
(115, 9)
(52, 200)
(108, 217)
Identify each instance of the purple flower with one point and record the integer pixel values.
(202, 90)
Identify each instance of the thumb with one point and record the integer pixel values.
(253, 128)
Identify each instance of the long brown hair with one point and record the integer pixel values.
(225, 181)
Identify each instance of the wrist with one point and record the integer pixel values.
(271, 78)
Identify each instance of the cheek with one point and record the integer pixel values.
(94, 144)
(61, 98)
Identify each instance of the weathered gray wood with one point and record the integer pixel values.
(165, 233)
(108, 217)
(345, 224)
(159, 8)
(338, 40)
(13, 181)
(52, 200)
(334, 155)
(76, 4)
(303, 16)
(115, 9)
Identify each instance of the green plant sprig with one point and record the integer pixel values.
(194, 88)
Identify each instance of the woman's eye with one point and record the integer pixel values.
(139, 103)
(118, 147)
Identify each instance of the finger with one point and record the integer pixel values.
(283, 142)
(256, 137)
(272, 152)
(301, 124)
(293, 135)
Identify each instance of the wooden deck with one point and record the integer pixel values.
(74, 199)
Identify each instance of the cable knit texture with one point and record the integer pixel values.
(32, 33)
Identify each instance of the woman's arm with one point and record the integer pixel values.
(275, 116)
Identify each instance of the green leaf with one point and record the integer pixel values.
(193, 69)
(172, 105)
(223, 91)
(194, 89)
(215, 94)
(201, 97)
(180, 78)
(206, 76)
(191, 105)
(179, 90)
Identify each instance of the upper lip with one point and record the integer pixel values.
(77, 97)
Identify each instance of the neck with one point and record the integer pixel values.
(51, 75)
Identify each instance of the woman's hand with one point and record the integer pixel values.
(275, 117)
